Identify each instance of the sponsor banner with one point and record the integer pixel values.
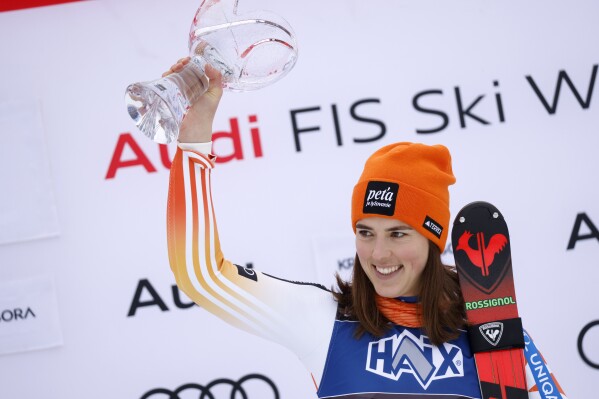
(588, 344)
(146, 297)
(29, 211)
(521, 125)
(28, 315)
(250, 386)
(10, 5)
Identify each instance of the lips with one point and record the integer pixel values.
(387, 270)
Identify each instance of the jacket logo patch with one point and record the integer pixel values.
(407, 354)
(247, 272)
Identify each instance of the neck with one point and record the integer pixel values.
(407, 314)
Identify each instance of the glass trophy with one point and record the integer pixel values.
(250, 51)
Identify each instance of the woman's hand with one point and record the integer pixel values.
(197, 123)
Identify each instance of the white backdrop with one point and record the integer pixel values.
(99, 237)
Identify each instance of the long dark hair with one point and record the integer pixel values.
(443, 310)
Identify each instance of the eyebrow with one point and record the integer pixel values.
(394, 228)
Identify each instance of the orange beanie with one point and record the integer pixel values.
(408, 182)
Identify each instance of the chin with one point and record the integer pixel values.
(388, 293)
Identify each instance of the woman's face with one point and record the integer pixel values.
(393, 255)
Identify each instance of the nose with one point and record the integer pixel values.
(381, 250)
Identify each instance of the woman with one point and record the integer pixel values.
(395, 331)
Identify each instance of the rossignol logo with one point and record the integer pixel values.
(380, 198)
(433, 226)
(482, 247)
(492, 332)
(490, 303)
(405, 353)
(483, 256)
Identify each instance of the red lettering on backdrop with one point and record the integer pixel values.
(232, 135)
(255, 136)
(140, 157)
(166, 160)
(9, 5)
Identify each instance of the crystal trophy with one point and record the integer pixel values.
(250, 51)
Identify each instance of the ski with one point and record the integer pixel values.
(481, 248)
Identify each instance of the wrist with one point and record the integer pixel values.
(202, 148)
(195, 135)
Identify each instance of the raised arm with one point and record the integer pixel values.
(250, 300)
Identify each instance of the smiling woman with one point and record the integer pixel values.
(400, 213)
(397, 330)
(392, 254)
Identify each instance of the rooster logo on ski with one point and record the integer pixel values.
(483, 256)
(492, 332)
(485, 263)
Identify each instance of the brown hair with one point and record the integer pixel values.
(443, 310)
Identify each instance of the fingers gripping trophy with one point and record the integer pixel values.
(250, 51)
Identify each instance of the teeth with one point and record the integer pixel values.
(387, 270)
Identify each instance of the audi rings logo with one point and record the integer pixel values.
(242, 389)
(581, 336)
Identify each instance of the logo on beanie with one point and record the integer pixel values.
(433, 226)
(380, 198)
